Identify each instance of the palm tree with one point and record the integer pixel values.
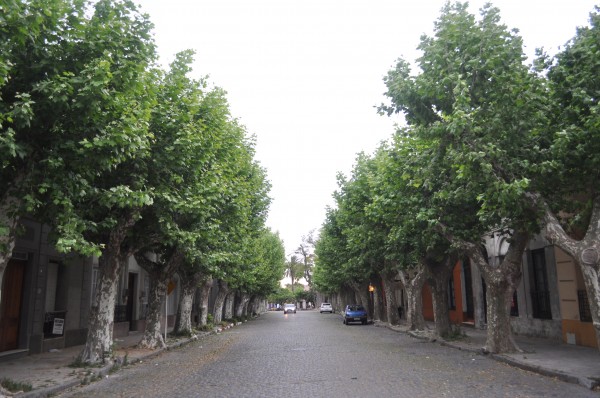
(294, 269)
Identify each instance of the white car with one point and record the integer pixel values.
(326, 307)
(287, 308)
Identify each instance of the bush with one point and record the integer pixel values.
(15, 386)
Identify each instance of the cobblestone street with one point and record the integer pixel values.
(314, 355)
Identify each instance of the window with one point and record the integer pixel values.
(585, 314)
(540, 295)
(55, 303)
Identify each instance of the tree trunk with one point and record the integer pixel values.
(160, 272)
(153, 332)
(204, 287)
(335, 302)
(239, 307)
(260, 308)
(253, 306)
(439, 274)
(378, 302)
(99, 340)
(362, 293)
(98, 345)
(183, 322)
(413, 280)
(585, 252)
(501, 282)
(387, 278)
(219, 301)
(228, 305)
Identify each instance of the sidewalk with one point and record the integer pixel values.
(49, 373)
(570, 363)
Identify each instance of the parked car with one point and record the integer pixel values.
(355, 313)
(326, 307)
(287, 308)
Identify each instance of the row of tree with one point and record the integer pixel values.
(123, 158)
(490, 145)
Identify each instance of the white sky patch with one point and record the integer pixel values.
(305, 76)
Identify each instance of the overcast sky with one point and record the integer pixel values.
(305, 76)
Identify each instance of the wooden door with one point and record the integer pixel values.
(10, 311)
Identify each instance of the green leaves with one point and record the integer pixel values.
(479, 141)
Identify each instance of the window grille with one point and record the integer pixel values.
(540, 302)
(120, 313)
(585, 315)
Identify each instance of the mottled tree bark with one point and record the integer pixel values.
(413, 280)
(389, 290)
(336, 302)
(262, 306)
(152, 337)
(585, 252)
(99, 339)
(228, 305)
(160, 272)
(501, 282)
(204, 287)
(439, 273)
(219, 301)
(183, 321)
(252, 306)
(239, 306)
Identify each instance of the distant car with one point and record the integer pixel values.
(355, 313)
(326, 307)
(287, 308)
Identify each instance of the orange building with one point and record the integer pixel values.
(458, 299)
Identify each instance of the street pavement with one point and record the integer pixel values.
(49, 373)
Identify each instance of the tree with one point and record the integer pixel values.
(72, 94)
(477, 105)
(266, 265)
(306, 295)
(75, 101)
(331, 254)
(160, 272)
(306, 252)
(570, 198)
(281, 296)
(189, 154)
(294, 269)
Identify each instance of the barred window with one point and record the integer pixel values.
(585, 315)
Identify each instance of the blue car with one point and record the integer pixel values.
(355, 313)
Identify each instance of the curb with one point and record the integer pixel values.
(588, 383)
(105, 370)
(582, 381)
